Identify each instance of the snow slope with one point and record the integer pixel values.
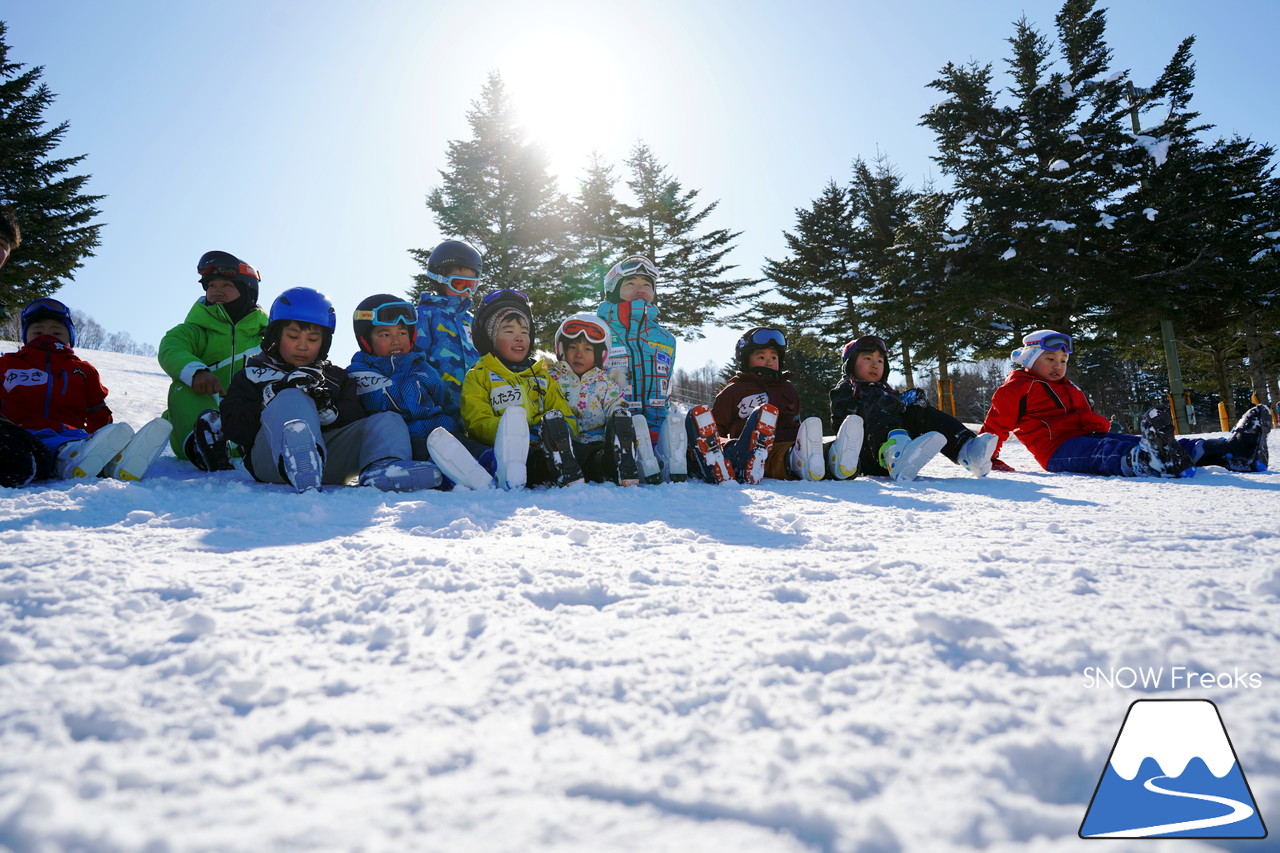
(203, 663)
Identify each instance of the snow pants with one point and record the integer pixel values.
(1105, 454)
(185, 405)
(345, 451)
(878, 421)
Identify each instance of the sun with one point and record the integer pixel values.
(567, 93)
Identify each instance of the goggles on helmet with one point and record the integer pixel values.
(1055, 342)
(768, 337)
(224, 271)
(48, 308)
(459, 283)
(389, 314)
(636, 266)
(575, 328)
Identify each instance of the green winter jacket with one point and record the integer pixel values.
(206, 339)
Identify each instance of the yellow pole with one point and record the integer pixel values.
(1222, 416)
(1173, 412)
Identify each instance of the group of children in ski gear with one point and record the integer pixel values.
(438, 397)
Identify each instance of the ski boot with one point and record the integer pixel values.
(757, 435)
(22, 456)
(1158, 453)
(704, 446)
(87, 457)
(903, 457)
(1255, 423)
(400, 475)
(650, 467)
(557, 441)
(145, 447)
(455, 462)
(300, 461)
(511, 449)
(844, 451)
(806, 457)
(210, 445)
(620, 445)
(673, 447)
(975, 455)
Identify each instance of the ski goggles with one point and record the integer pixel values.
(227, 271)
(40, 309)
(1052, 343)
(389, 314)
(767, 337)
(634, 265)
(573, 328)
(466, 284)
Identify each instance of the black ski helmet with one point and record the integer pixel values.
(383, 309)
(493, 308)
(759, 338)
(454, 253)
(226, 265)
(303, 305)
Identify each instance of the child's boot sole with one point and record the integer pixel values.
(95, 452)
(625, 467)
(300, 457)
(650, 470)
(144, 448)
(808, 450)
(915, 456)
(674, 445)
(209, 441)
(845, 451)
(557, 439)
(452, 458)
(761, 442)
(715, 468)
(511, 449)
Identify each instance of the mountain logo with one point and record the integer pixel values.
(1172, 773)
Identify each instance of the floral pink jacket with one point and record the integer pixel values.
(593, 395)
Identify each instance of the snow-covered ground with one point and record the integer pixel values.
(199, 662)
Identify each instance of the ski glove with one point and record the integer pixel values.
(1000, 465)
(914, 397)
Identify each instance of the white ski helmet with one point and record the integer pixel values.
(583, 325)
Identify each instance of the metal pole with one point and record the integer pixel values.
(1175, 376)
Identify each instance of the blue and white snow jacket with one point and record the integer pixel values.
(641, 357)
(408, 385)
(444, 334)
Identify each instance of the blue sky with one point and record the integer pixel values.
(304, 136)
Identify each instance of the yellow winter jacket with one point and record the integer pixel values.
(490, 388)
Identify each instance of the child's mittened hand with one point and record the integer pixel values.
(914, 397)
(1001, 465)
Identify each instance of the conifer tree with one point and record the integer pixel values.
(595, 233)
(499, 195)
(56, 216)
(666, 226)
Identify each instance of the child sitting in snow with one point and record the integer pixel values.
(901, 432)
(59, 399)
(641, 359)
(444, 316)
(202, 353)
(511, 403)
(606, 446)
(297, 416)
(758, 411)
(1052, 417)
(392, 376)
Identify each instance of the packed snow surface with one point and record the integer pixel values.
(203, 663)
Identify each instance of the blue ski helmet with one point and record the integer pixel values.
(48, 309)
(302, 305)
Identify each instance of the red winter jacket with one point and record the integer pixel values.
(1041, 414)
(745, 392)
(46, 386)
